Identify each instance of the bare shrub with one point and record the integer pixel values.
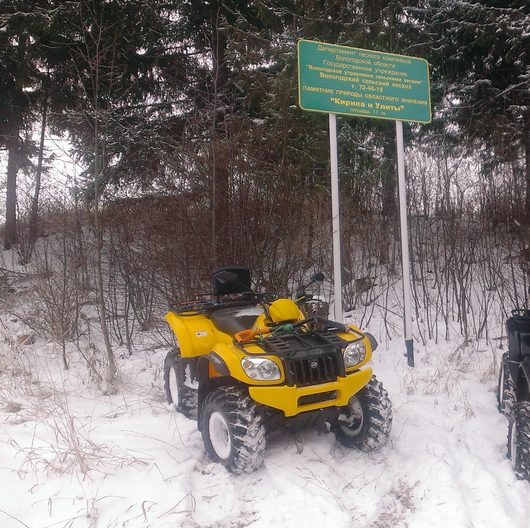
(55, 299)
(72, 450)
(15, 369)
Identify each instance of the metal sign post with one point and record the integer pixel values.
(405, 257)
(335, 213)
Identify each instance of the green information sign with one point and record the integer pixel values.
(351, 81)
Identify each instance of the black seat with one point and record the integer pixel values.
(233, 319)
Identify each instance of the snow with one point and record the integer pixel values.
(72, 457)
(251, 310)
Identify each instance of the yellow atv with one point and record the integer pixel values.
(250, 363)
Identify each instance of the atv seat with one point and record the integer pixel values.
(234, 319)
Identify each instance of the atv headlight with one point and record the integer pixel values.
(354, 354)
(261, 369)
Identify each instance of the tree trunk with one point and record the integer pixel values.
(221, 209)
(389, 180)
(34, 211)
(97, 76)
(14, 145)
(525, 242)
(13, 164)
(220, 162)
(112, 370)
(526, 142)
(389, 189)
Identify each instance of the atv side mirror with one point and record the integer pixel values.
(318, 277)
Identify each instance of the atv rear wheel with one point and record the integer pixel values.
(232, 430)
(366, 421)
(505, 388)
(519, 440)
(177, 374)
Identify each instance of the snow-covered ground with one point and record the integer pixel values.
(71, 457)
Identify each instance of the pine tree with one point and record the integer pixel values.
(19, 80)
(480, 52)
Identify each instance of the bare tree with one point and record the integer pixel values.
(101, 72)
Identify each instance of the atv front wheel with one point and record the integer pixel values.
(519, 440)
(178, 394)
(366, 421)
(232, 430)
(505, 388)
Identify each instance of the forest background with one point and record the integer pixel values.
(194, 154)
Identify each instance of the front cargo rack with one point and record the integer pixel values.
(309, 358)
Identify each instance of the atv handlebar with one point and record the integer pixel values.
(521, 312)
(316, 322)
(289, 327)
